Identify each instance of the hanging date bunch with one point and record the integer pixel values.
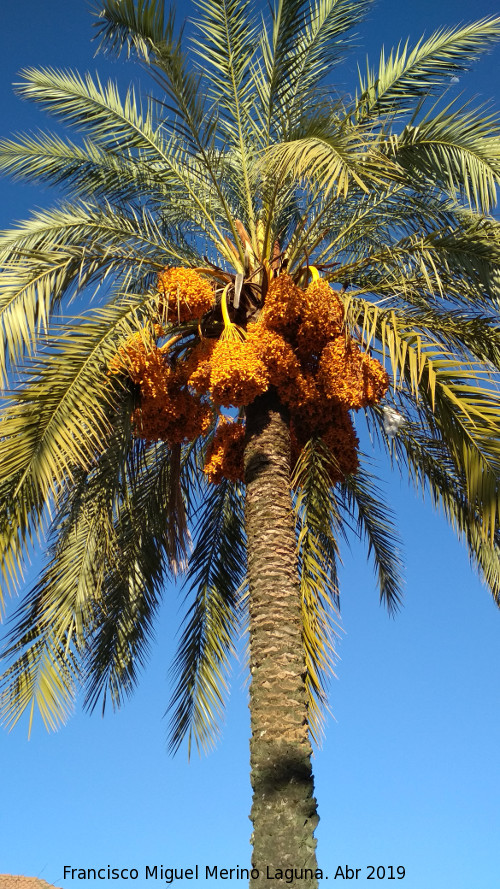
(184, 295)
(295, 341)
(298, 345)
(168, 410)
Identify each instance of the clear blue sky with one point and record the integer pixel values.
(408, 774)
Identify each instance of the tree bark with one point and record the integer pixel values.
(284, 808)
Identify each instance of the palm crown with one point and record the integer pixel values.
(246, 230)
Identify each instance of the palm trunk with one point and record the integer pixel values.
(284, 808)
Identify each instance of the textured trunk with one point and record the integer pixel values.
(284, 809)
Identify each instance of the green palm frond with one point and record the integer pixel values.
(224, 50)
(337, 158)
(423, 267)
(433, 474)
(111, 123)
(59, 253)
(469, 254)
(42, 678)
(278, 48)
(145, 30)
(322, 43)
(131, 233)
(59, 421)
(318, 531)
(139, 27)
(457, 149)
(461, 402)
(192, 123)
(364, 501)
(85, 171)
(407, 75)
(48, 631)
(468, 418)
(467, 334)
(96, 109)
(149, 541)
(216, 574)
(118, 532)
(458, 400)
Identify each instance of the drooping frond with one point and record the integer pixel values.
(217, 569)
(364, 502)
(457, 149)
(42, 678)
(48, 631)
(149, 543)
(433, 474)
(318, 530)
(455, 396)
(57, 254)
(139, 27)
(118, 533)
(58, 422)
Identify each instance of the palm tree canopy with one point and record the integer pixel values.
(245, 167)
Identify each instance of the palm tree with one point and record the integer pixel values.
(258, 248)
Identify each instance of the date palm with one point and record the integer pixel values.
(246, 165)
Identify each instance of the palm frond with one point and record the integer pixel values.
(50, 630)
(459, 401)
(217, 570)
(422, 270)
(407, 75)
(57, 423)
(324, 41)
(149, 541)
(47, 635)
(334, 158)
(189, 118)
(278, 47)
(432, 473)
(42, 677)
(318, 531)
(117, 534)
(99, 111)
(225, 50)
(58, 254)
(456, 149)
(363, 499)
(85, 171)
(143, 29)
(94, 108)
(137, 27)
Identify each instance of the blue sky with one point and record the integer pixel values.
(408, 773)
